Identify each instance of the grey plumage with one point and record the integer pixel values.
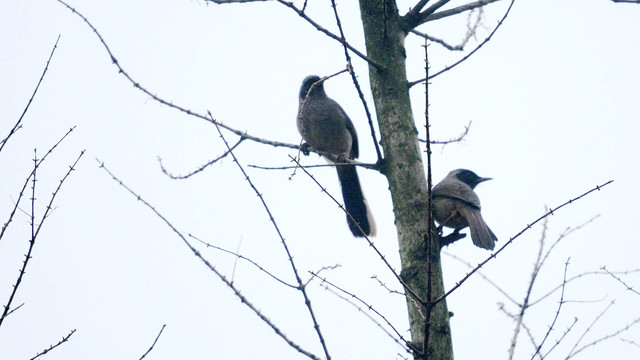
(325, 126)
(457, 206)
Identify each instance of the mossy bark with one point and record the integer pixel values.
(405, 173)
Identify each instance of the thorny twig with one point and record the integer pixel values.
(35, 230)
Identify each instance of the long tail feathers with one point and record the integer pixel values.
(481, 235)
(355, 203)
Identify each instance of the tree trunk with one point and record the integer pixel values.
(405, 172)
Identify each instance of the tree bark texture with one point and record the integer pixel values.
(405, 173)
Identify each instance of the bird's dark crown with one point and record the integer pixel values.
(308, 82)
(468, 177)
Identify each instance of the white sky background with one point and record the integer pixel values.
(554, 102)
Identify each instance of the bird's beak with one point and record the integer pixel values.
(484, 179)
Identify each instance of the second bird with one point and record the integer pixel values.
(456, 205)
(325, 126)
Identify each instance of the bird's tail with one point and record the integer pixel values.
(355, 203)
(481, 235)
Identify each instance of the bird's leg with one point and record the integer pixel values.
(304, 148)
(451, 238)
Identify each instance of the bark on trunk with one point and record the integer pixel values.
(404, 170)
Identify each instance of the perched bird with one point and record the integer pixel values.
(325, 126)
(456, 205)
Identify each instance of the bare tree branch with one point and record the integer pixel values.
(555, 318)
(223, 278)
(369, 308)
(155, 97)
(459, 138)
(525, 303)
(301, 286)
(18, 125)
(35, 230)
(486, 40)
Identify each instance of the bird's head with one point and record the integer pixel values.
(468, 177)
(311, 81)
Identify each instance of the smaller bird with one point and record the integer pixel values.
(456, 205)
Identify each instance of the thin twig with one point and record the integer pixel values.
(344, 162)
(64, 340)
(242, 257)
(209, 163)
(18, 125)
(26, 182)
(301, 13)
(354, 78)
(620, 280)
(223, 278)
(586, 331)
(459, 138)
(486, 278)
(391, 291)
(576, 277)
(525, 303)
(555, 318)
(493, 256)
(607, 337)
(558, 341)
(154, 342)
(436, 40)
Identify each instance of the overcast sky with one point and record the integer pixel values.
(553, 103)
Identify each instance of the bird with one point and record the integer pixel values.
(456, 205)
(326, 127)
